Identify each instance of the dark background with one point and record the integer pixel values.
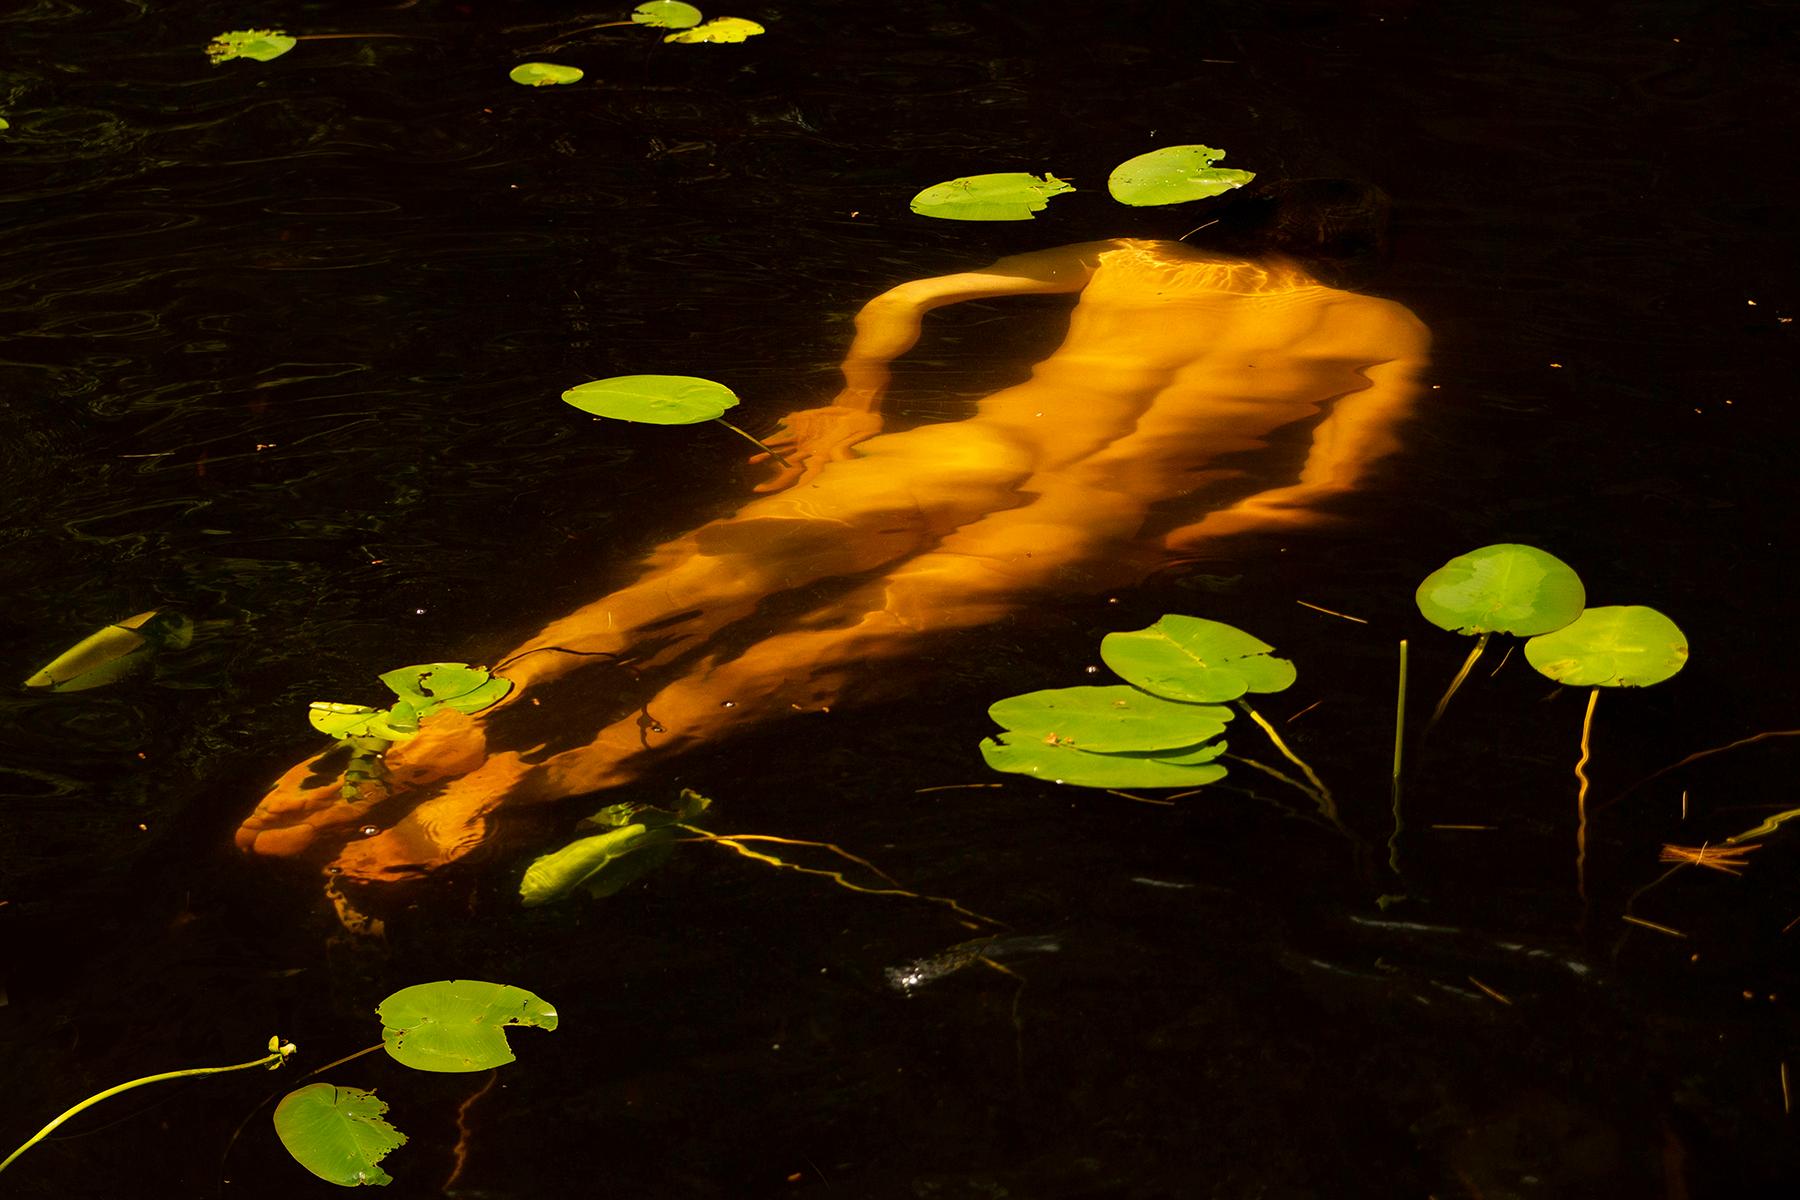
(267, 323)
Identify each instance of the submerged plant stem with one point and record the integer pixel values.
(1468, 665)
(1581, 792)
(272, 1059)
(758, 442)
(1399, 746)
(1320, 793)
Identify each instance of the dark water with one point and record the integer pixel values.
(283, 343)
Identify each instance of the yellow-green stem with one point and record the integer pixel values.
(1399, 746)
(1581, 791)
(752, 438)
(1321, 793)
(1468, 665)
(272, 1059)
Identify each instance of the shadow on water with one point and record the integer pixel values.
(283, 343)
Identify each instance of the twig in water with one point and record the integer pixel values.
(1581, 791)
(1399, 747)
(1490, 991)
(1653, 925)
(1139, 799)
(1729, 859)
(1331, 612)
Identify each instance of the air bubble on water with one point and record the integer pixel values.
(728, 704)
(369, 830)
(1093, 670)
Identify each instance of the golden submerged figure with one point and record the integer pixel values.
(1101, 468)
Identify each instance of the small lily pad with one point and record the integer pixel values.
(1196, 660)
(458, 1024)
(1620, 646)
(259, 44)
(1059, 762)
(113, 652)
(1005, 196)
(653, 399)
(1504, 588)
(542, 74)
(1109, 719)
(337, 1133)
(1173, 175)
(719, 29)
(666, 14)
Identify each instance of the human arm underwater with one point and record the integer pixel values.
(887, 327)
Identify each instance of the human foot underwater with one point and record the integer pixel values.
(1103, 467)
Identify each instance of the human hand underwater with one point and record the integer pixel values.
(813, 437)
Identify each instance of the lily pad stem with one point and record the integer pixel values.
(768, 450)
(1468, 665)
(1581, 791)
(272, 1059)
(1321, 793)
(1399, 745)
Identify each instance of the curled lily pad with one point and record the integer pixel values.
(666, 14)
(1056, 761)
(1173, 175)
(259, 44)
(1504, 588)
(337, 1133)
(542, 74)
(1196, 660)
(1619, 646)
(458, 1024)
(1005, 196)
(113, 652)
(357, 721)
(1109, 719)
(639, 838)
(653, 399)
(719, 29)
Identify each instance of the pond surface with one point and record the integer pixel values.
(283, 349)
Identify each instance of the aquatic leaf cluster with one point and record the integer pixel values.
(1170, 175)
(420, 691)
(1160, 729)
(1527, 592)
(341, 1134)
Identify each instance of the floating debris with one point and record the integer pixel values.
(917, 974)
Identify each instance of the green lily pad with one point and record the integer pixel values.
(360, 721)
(542, 74)
(458, 1024)
(259, 44)
(1620, 646)
(1173, 175)
(719, 29)
(653, 399)
(1007, 196)
(666, 14)
(1059, 762)
(603, 864)
(1504, 588)
(113, 652)
(337, 1133)
(1195, 660)
(1109, 719)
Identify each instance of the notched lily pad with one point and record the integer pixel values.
(458, 1024)
(1109, 719)
(259, 44)
(719, 29)
(653, 399)
(1196, 660)
(1060, 762)
(337, 1133)
(1503, 588)
(1005, 196)
(1618, 646)
(1173, 175)
(666, 14)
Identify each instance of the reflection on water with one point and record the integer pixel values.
(1144, 437)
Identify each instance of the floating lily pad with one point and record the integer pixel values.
(1504, 588)
(719, 29)
(639, 839)
(542, 74)
(666, 14)
(458, 1024)
(1109, 719)
(1196, 660)
(259, 44)
(1053, 761)
(337, 1133)
(1619, 646)
(1173, 175)
(1006, 196)
(653, 399)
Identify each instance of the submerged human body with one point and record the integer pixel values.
(1102, 467)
